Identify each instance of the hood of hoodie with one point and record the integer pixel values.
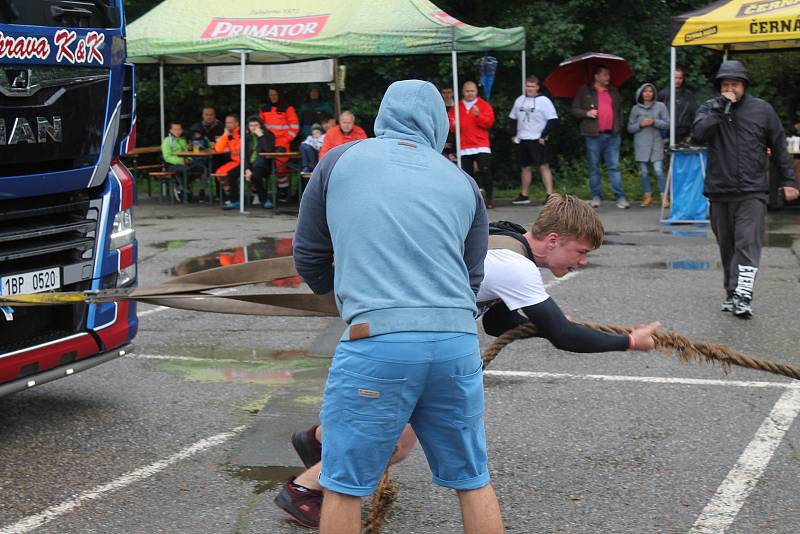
(733, 70)
(413, 110)
(640, 100)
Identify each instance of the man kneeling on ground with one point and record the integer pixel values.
(565, 231)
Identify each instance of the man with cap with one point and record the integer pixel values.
(738, 129)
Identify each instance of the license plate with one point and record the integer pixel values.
(32, 282)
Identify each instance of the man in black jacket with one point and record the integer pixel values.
(685, 106)
(738, 129)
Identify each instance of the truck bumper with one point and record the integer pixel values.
(62, 371)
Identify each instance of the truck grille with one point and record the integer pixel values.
(43, 232)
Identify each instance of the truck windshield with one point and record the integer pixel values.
(64, 13)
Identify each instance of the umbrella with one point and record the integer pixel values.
(579, 70)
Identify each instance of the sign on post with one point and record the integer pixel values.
(304, 72)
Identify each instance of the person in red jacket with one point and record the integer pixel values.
(344, 133)
(281, 119)
(230, 141)
(476, 117)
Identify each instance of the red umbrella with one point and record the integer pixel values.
(579, 70)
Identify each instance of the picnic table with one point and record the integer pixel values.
(135, 154)
(206, 155)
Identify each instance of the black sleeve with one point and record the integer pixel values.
(499, 320)
(512, 127)
(566, 335)
(549, 127)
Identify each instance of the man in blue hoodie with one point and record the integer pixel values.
(409, 234)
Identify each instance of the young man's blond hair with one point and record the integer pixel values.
(570, 218)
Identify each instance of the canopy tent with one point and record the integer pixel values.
(267, 31)
(735, 25)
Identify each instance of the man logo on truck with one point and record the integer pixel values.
(22, 132)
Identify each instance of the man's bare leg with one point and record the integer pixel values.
(310, 478)
(547, 178)
(480, 511)
(525, 180)
(341, 514)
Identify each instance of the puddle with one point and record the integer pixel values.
(267, 478)
(268, 247)
(780, 240)
(171, 245)
(278, 371)
(679, 265)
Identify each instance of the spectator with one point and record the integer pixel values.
(685, 106)
(408, 252)
(344, 133)
(211, 127)
(309, 149)
(449, 144)
(533, 117)
(476, 117)
(197, 138)
(173, 143)
(647, 120)
(312, 111)
(738, 129)
(230, 141)
(281, 119)
(258, 168)
(598, 106)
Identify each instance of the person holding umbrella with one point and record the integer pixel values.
(598, 107)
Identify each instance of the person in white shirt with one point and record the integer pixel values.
(533, 117)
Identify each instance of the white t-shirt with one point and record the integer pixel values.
(532, 114)
(512, 278)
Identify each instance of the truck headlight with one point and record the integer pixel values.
(122, 232)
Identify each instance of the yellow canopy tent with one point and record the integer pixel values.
(735, 25)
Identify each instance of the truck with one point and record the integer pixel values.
(67, 112)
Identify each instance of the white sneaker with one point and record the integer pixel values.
(256, 201)
(622, 203)
(595, 203)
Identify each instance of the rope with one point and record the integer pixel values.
(668, 343)
(382, 500)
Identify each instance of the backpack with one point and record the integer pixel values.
(514, 230)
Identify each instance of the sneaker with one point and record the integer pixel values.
(647, 201)
(664, 201)
(727, 305)
(595, 203)
(622, 203)
(230, 205)
(256, 201)
(489, 205)
(283, 195)
(307, 447)
(176, 192)
(742, 307)
(521, 199)
(301, 505)
(267, 204)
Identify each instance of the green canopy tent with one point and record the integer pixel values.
(204, 32)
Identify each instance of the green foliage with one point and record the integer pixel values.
(638, 31)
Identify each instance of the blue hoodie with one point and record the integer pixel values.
(408, 229)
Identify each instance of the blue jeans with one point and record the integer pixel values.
(658, 169)
(606, 145)
(308, 155)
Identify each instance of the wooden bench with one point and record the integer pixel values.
(166, 182)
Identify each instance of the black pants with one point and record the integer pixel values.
(484, 176)
(739, 227)
(258, 180)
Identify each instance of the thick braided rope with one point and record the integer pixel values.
(382, 501)
(667, 342)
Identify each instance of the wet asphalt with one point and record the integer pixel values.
(569, 453)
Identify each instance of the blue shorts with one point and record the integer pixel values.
(376, 385)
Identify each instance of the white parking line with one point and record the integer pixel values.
(42, 518)
(648, 379)
(720, 512)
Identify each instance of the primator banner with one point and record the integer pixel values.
(304, 72)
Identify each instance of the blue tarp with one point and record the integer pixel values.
(688, 168)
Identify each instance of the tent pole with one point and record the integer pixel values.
(161, 96)
(524, 74)
(672, 65)
(242, 124)
(457, 117)
(337, 98)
